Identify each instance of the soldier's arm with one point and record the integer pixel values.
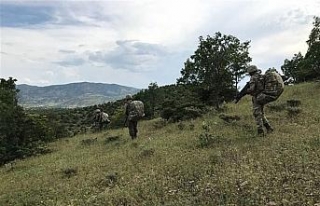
(252, 86)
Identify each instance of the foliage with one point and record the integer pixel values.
(217, 64)
(21, 135)
(169, 166)
(290, 67)
(174, 102)
(306, 68)
(312, 57)
(153, 97)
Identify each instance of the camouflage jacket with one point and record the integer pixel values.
(256, 84)
(127, 108)
(101, 117)
(97, 117)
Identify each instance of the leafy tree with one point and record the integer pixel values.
(8, 104)
(216, 66)
(20, 133)
(312, 57)
(305, 68)
(290, 68)
(153, 86)
(238, 72)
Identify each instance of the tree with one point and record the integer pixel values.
(306, 68)
(153, 86)
(238, 72)
(312, 58)
(20, 133)
(216, 67)
(290, 68)
(8, 104)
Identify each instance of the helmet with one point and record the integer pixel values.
(97, 111)
(128, 97)
(252, 69)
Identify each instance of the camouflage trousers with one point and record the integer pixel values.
(258, 103)
(133, 130)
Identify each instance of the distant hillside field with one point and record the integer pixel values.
(205, 161)
(72, 95)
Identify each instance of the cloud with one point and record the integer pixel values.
(74, 61)
(136, 42)
(130, 55)
(15, 15)
(67, 51)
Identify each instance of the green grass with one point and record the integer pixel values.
(172, 166)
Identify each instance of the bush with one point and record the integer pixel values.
(277, 107)
(181, 113)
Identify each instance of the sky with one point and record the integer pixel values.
(138, 42)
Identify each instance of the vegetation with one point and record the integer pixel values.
(305, 68)
(21, 134)
(193, 147)
(205, 161)
(216, 67)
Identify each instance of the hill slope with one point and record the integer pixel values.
(71, 95)
(206, 161)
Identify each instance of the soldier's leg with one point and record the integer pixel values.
(135, 128)
(131, 127)
(263, 99)
(265, 121)
(258, 115)
(100, 126)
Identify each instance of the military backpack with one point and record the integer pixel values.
(136, 110)
(105, 117)
(273, 84)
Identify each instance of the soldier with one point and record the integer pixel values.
(256, 88)
(134, 111)
(101, 119)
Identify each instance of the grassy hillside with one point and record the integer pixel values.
(207, 161)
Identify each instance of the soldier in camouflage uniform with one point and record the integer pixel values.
(101, 119)
(132, 124)
(259, 99)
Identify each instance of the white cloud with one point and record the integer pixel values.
(138, 42)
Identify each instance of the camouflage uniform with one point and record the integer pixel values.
(98, 119)
(132, 124)
(259, 99)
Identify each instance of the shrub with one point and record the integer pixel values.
(181, 113)
(293, 111)
(160, 123)
(293, 103)
(277, 107)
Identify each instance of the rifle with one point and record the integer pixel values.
(242, 93)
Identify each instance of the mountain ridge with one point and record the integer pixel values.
(78, 94)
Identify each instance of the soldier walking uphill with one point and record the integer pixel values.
(134, 111)
(101, 119)
(263, 89)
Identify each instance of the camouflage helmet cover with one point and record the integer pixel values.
(252, 69)
(128, 97)
(97, 111)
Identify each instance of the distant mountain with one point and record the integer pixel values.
(72, 95)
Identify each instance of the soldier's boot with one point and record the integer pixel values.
(268, 127)
(260, 132)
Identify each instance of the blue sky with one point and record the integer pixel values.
(136, 42)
